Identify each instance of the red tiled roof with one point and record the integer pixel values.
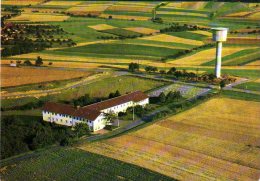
(134, 96)
(70, 110)
(91, 112)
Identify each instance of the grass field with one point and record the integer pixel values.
(13, 76)
(21, 2)
(95, 50)
(142, 30)
(221, 142)
(39, 17)
(189, 35)
(254, 86)
(74, 164)
(102, 27)
(121, 32)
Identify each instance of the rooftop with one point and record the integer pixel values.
(91, 112)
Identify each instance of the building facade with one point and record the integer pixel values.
(94, 114)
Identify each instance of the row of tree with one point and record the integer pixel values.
(176, 27)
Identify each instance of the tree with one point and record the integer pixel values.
(27, 62)
(132, 67)
(117, 93)
(222, 84)
(38, 61)
(50, 63)
(81, 129)
(111, 118)
(162, 72)
(172, 70)
(162, 97)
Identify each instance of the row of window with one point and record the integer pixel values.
(63, 115)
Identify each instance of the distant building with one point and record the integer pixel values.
(13, 64)
(94, 114)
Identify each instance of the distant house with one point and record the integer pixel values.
(12, 64)
(94, 114)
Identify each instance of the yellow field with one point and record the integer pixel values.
(190, 146)
(21, 2)
(205, 56)
(255, 63)
(142, 30)
(239, 14)
(182, 13)
(258, 81)
(172, 5)
(13, 76)
(38, 17)
(102, 27)
(130, 7)
(201, 32)
(63, 3)
(89, 8)
(193, 5)
(255, 16)
(125, 17)
(170, 38)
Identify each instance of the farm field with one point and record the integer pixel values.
(220, 142)
(39, 17)
(13, 76)
(70, 163)
(205, 56)
(254, 86)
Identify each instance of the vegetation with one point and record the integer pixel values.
(254, 86)
(86, 165)
(24, 133)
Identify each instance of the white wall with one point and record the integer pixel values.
(62, 119)
(95, 125)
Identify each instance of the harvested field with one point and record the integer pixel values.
(130, 7)
(125, 17)
(142, 30)
(255, 16)
(238, 40)
(239, 14)
(193, 5)
(201, 32)
(63, 3)
(205, 56)
(191, 146)
(89, 8)
(13, 76)
(182, 13)
(169, 38)
(38, 17)
(255, 63)
(21, 2)
(102, 27)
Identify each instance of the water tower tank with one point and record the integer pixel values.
(220, 34)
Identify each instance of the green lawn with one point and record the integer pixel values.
(74, 164)
(118, 49)
(254, 86)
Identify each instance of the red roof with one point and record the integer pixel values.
(134, 96)
(91, 112)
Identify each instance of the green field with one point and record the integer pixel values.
(189, 35)
(73, 164)
(121, 32)
(240, 95)
(239, 58)
(254, 86)
(113, 49)
(97, 89)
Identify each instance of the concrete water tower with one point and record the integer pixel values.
(219, 35)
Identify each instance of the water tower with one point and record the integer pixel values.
(219, 35)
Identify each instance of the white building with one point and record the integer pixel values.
(92, 114)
